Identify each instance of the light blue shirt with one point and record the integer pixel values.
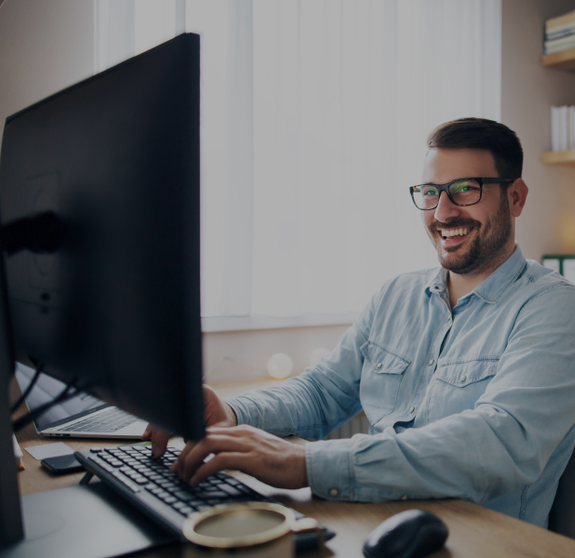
(474, 402)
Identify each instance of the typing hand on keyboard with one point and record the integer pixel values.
(244, 448)
(216, 413)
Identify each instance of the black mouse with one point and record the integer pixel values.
(409, 534)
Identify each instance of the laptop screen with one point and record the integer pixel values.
(46, 389)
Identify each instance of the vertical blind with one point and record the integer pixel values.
(314, 116)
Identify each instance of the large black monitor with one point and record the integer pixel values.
(105, 293)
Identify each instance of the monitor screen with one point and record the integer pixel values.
(114, 306)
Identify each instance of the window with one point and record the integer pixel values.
(314, 119)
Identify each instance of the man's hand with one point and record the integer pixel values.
(244, 448)
(159, 439)
(216, 413)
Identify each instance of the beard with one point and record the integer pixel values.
(488, 245)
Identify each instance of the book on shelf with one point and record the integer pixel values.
(556, 45)
(560, 22)
(559, 33)
(562, 128)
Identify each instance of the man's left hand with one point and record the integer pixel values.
(244, 448)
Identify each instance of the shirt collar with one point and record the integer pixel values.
(494, 286)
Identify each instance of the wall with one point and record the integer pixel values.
(244, 354)
(528, 90)
(46, 45)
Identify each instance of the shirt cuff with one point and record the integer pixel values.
(330, 470)
(242, 414)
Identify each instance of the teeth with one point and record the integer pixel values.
(454, 232)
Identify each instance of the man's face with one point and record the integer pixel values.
(471, 239)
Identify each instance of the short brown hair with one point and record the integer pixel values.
(480, 133)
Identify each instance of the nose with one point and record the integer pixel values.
(446, 209)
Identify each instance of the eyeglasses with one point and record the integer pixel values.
(462, 192)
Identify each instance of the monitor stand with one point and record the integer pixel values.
(89, 521)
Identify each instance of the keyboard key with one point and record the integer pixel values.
(184, 496)
(230, 490)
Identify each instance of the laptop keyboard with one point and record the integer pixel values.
(109, 420)
(150, 484)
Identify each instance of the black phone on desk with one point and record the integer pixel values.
(62, 464)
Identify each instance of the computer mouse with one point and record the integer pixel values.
(409, 534)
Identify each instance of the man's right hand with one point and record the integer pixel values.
(216, 413)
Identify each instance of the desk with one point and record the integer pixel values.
(473, 531)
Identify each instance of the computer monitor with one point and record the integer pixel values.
(115, 306)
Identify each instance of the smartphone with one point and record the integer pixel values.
(62, 464)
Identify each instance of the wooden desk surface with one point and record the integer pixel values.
(473, 531)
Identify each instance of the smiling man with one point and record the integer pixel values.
(466, 373)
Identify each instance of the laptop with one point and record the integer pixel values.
(82, 416)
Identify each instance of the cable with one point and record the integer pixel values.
(21, 399)
(64, 395)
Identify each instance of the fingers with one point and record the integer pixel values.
(224, 460)
(192, 457)
(178, 464)
(247, 449)
(159, 442)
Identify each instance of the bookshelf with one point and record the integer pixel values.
(562, 60)
(559, 157)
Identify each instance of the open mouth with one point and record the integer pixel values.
(454, 235)
(448, 233)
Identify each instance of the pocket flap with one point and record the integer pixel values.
(382, 361)
(463, 373)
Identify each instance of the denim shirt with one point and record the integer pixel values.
(475, 401)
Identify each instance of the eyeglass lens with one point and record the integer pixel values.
(463, 192)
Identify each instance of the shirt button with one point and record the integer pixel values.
(463, 378)
(404, 497)
(379, 365)
(412, 409)
(334, 492)
(431, 362)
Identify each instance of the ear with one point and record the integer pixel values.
(517, 194)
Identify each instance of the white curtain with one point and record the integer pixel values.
(314, 120)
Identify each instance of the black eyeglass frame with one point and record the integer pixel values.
(445, 188)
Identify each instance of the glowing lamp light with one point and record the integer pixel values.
(279, 366)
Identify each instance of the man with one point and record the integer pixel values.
(466, 373)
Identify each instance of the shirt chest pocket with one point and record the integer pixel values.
(381, 376)
(459, 385)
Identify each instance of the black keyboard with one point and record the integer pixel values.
(149, 484)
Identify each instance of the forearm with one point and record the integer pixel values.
(301, 406)
(477, 455)
(318, 401)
